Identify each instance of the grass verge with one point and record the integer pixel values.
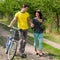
(1, 41)
(52, 37)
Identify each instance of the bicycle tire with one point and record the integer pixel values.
(12, 50)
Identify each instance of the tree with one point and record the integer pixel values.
(49, 8)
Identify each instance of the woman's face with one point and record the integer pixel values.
(37, 14)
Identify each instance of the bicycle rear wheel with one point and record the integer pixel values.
(12, 50)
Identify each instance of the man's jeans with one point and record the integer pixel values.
(23, 40)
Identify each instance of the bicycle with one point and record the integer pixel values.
(11, 46)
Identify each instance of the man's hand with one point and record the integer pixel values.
(9, 26)
(32, 25)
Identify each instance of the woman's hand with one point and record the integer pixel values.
(40, 20)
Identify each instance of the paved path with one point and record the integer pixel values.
(29, 50)
(3, 56)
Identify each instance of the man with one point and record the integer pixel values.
(22, 17)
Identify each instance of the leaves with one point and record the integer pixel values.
(49, 8)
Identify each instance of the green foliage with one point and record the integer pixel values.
(49, 8)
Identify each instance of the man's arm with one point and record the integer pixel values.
(30, 23)
(12, 22)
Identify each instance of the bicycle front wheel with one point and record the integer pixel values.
(12, 50)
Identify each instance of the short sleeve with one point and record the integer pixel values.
(16, 15)
(28, 14)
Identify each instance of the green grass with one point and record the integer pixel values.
(52, 38)
(47, 36)
(51, 50)
(30, 30)
(1, 41)
(5, 21)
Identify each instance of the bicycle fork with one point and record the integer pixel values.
(8, 44)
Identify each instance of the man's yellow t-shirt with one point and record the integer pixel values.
(22, 20)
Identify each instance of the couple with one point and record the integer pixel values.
(22, 17)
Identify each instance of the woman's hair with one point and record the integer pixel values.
(40, 14)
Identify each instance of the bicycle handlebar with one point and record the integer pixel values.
(14, 28)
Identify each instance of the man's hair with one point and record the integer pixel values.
(25, 5)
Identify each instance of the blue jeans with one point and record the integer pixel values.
(38, 39)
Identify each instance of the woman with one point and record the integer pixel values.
(38, 32)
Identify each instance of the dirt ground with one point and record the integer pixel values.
(29, 50)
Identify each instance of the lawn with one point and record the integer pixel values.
(5, 21)
(52, 37)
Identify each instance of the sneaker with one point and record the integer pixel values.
(23, 55)
(36, 53)
(6, 51)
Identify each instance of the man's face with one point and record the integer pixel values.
(25, 9)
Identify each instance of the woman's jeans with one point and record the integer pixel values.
(38, 39)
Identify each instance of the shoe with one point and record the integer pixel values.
(40, 54)
(37, 53)
(43, 53)
(23, 55)
(6, 51)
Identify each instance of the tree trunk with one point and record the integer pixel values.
(57, 22)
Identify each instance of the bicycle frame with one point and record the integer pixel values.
(12, 40)
(9, 43)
